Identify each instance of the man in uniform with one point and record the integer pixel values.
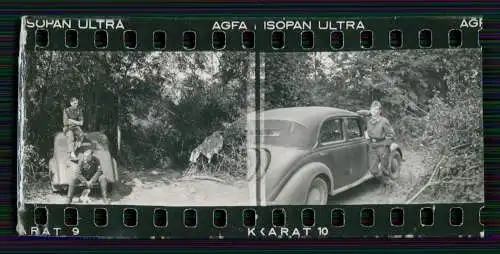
(73, 122)
(380, 133)
(88, 172)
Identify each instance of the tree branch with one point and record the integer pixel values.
(460, 147)
(429, 182)
(434, 172)
(451, 182)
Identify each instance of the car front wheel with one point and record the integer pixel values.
(318, 192)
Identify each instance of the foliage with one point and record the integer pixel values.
(231, 162)
(35, 169)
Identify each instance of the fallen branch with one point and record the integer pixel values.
(429, 182)
(460, 147)
(473, 167)
(414, 106)
(210, 178)
(451, 182)
(434, 172)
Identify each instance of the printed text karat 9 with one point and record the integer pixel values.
(271, 128)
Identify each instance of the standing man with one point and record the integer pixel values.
(73, 122)
(88, 171)
(380, 133)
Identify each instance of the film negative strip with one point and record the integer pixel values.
(268, 128)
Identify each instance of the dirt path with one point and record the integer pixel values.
(162, 189)
(189, 193)
(372, 192)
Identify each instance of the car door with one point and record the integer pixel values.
(333, 150)
(358, 147)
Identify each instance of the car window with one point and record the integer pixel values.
(330, 131)
(353, 127)
(283, 133)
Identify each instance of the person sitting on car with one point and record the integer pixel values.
(89, 171)
(73, 121)
(379, 131)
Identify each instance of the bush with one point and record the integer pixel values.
(231, 162)
(455, 126)
(35, 170)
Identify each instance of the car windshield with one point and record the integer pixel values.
(284, 133)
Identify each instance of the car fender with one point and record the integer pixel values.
(295, 190)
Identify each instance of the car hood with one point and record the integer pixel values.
(284, 162)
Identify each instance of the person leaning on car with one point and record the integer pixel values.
(379, 131)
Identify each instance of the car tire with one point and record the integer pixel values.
(394, 165)
(318, 192)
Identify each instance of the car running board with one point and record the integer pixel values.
(363, 179)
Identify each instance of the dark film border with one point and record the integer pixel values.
(440, 29)
(236, 229)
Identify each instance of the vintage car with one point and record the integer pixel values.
(308, 153)
(62, 170)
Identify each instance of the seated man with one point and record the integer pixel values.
(88, 172)
(73, 122)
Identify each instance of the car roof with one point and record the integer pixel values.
(307, 116)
